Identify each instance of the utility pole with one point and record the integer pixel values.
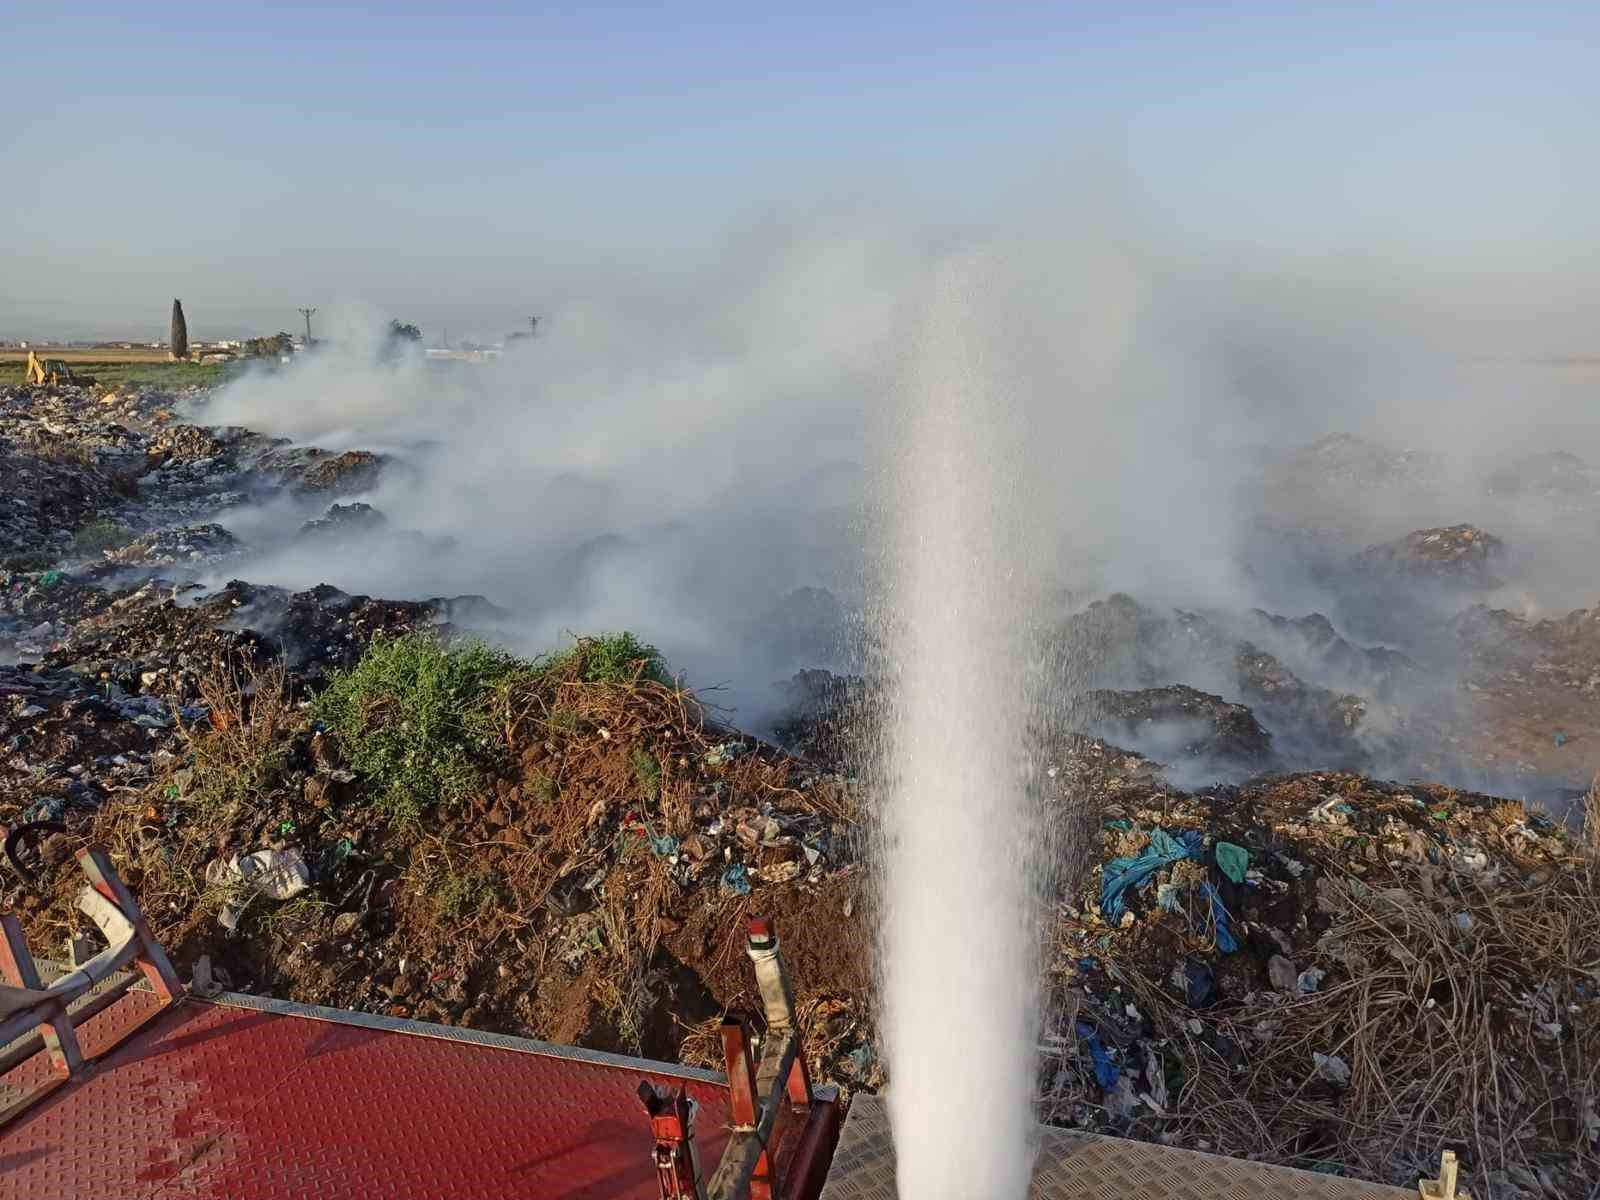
(306, 313)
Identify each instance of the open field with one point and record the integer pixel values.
(86, 354)
(139, 365)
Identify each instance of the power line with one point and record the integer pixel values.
(306, 313)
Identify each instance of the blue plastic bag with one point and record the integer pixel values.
(1105, 1071)
(1226, 942)
(1120, 874)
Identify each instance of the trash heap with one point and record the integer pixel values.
(1339, 974)
(91, 469)
(1459, 555)
(565, 854)
(104, 678)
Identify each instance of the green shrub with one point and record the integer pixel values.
(413, 717)
(463, 895)
(612, 658)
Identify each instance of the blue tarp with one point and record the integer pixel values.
(1120, 874)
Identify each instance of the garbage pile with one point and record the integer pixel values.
(208, 543)
(1185, 722)
(96, 683)
(1533, 691)
(1338, 974)
(345, 522)
(1128, 648)
(342, 800)
(1458, 555)
(85, 458)
(586, 890)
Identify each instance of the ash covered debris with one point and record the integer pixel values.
(1460, 555)
(80, 457)
(345, 522)
(1181, 722)
(209, 543)
(1132, 648)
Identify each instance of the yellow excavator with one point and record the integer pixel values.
(41, 372)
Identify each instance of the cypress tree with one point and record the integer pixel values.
(180, 333)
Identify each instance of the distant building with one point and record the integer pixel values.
(482, 355)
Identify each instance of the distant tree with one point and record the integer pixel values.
(180, 332)
(269, 347)
(402, 332)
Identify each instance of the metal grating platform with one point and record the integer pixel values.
(1080, 1166)
(247, 1098)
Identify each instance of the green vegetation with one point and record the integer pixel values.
(413, 717)
(179, 341)
(101, 535)
(423, 721)
(461, 895)
(612, 658)
(647, 771)
(269, 347)
(117, 374)
(544, 788)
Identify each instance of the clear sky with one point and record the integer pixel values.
(464, 164)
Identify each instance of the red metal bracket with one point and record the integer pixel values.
(672, 1123)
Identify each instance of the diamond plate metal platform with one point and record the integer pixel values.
(1080, 1166)
(247, 1098)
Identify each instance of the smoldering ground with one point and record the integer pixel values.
(702, 458)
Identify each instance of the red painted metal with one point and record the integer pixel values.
(743, 1099)
(219, 1101)
(677, 1175)
(813, 1154)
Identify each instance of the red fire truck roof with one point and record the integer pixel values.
(241, 1097)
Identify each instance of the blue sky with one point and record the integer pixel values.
(468, 163)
